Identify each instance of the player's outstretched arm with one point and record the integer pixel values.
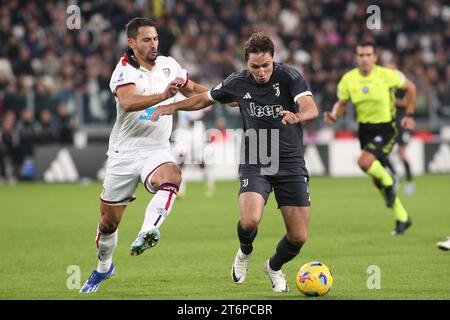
(193, 103)
(337, 111)
(130, 101)
(192, 88)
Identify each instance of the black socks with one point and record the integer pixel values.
(246, 238)
(285, 252)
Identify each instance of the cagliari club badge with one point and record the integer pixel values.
(166, 72)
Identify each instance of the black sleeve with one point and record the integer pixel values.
(297, 84)
(224, 92)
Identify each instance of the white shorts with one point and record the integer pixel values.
(123, 176)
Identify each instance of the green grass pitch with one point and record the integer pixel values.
(46, 228)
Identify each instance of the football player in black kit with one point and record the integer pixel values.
(274, 101)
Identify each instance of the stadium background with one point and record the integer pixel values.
(46, 66)
(57, 110)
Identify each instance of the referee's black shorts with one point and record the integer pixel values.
(290, 190)
(377, 138)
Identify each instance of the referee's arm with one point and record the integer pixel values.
(337, 111)
(407, 121)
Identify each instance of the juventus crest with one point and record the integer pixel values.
(276, 86)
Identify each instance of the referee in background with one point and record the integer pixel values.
(368, 87)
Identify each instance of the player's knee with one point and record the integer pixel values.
(298, 239)
(170, 174)
(107, 226)
(173, 178)
(177, 178)
(363, 163)
(249, 224)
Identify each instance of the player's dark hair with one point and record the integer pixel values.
(367, 43)
(133, 26)
(258, 43)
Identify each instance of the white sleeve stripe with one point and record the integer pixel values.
(210, 97)
(304, 93)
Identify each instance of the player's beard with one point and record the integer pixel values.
(149, 56)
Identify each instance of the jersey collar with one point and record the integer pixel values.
(372, 72)
(129, 58)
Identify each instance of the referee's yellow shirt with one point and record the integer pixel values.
(372, 94)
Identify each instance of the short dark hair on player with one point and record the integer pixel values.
(258, 43)
(134, 24)
(367, 43)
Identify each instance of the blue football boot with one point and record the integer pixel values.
(95, 279)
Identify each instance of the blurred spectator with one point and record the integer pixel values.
(9, 149)
(43, 97)
(22, 64)
(65, 125)
(47, 132)
(6, 73)
(106, 98)
(27, 130)
(14, 99)
(50, 63)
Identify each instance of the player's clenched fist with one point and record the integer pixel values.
(173, 88)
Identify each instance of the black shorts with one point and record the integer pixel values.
(377, 138)
(289, 190)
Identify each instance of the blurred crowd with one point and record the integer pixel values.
(53, 78)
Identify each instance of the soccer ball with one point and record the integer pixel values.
(314, 279)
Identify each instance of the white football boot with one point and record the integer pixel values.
(240, 267)
(277, 278)
(444, 245)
